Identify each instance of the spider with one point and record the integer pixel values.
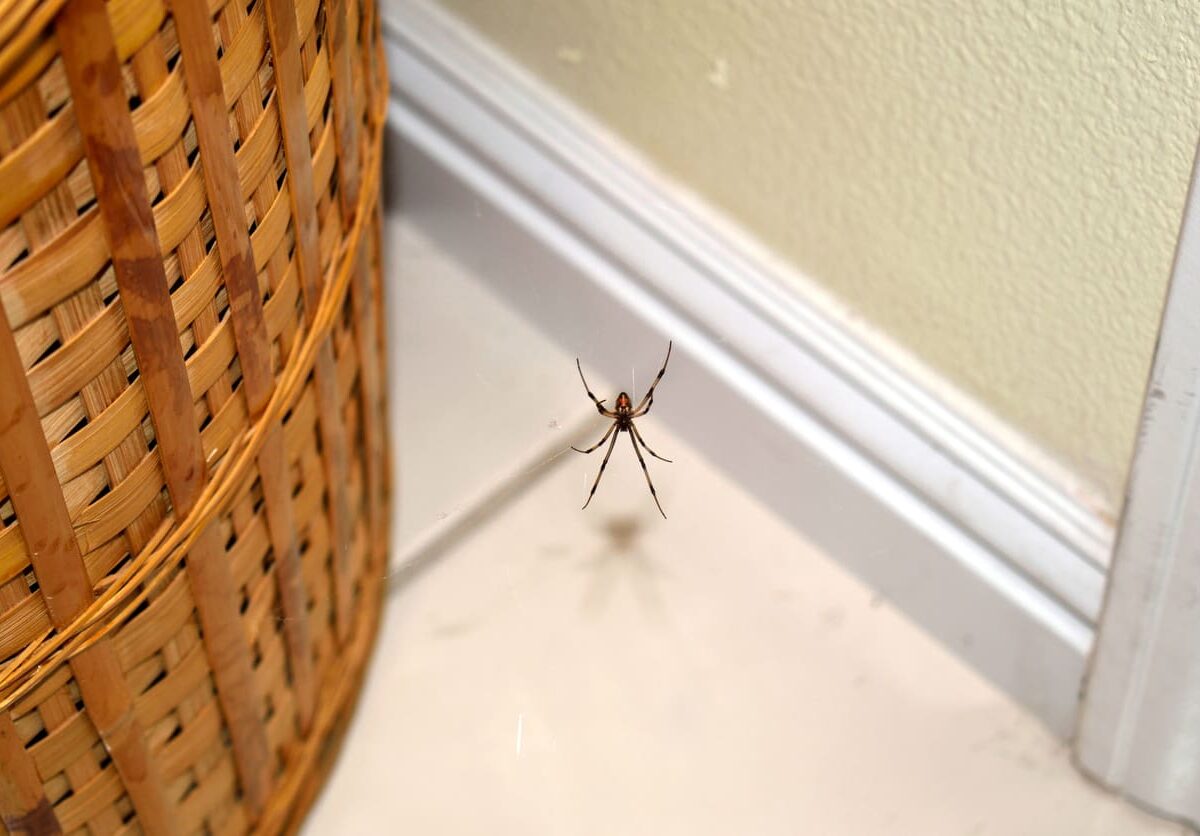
(623, 422)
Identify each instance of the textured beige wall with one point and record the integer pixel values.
(994, 186)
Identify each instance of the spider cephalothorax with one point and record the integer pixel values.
(623, 417)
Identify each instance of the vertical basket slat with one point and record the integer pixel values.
(193, 486)
(344, 112)
(151, 75)
(89, 59)
(245, 303)
(20, 125)
(154, 81)
(289, 81)
(23, 804)
(366, 57)
(46, 527)
(369, 346)
(24, 807)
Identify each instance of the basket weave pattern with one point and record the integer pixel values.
(192, 439)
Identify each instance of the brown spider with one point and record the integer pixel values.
(623, 422)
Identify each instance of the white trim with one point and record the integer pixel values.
(1010, 567)
(1140, 723)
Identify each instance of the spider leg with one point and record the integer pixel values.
(642, 441)
(642, 412)
(603, 464)
(650, 393)
(599, 403)
(653, 493)
(603, 439)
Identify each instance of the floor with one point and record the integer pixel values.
(546, 670)
(558, 671)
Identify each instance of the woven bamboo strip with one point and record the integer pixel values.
(29, 49)
(73, 316)
(90, 61)
(248, 113)
(153, 79)
(346, 119)
(35, 494)
(364, 299)
(15, 13)
(89, 58)
(24, 807)
(345, 113)
(372, 71)
(374, 68)
(284, 38)
(245, 303)
(105, 689)
(151, 74)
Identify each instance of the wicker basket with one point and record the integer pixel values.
(192, 452)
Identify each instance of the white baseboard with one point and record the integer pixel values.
(1006, 567)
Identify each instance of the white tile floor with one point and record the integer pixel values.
(608, 672)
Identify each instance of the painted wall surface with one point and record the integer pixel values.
(995, 187)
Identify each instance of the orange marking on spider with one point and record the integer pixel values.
(623, 417)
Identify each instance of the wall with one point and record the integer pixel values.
(995, 189)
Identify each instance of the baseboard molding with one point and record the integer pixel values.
(987, 553)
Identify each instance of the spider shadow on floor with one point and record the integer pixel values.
(622, 555)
